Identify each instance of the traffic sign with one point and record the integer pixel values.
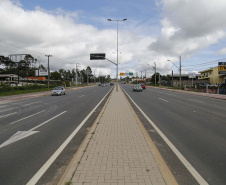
(121, 74)
(97, 56)
(131, 74)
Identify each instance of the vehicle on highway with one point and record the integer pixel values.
(111, 84)
(143, 86)
(137, 87)
(58, 91)
(99, 84)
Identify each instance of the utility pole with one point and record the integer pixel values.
(77, 73)
(180, 72)
(87, 77)
(172, 78)
(159, 80)
(155, 72)
(48, 68)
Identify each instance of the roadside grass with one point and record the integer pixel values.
(16, 92)
(27, 91)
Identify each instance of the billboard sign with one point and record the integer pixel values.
(221, 67)
(192, 75)
(41, 73)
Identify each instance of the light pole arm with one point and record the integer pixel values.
(111, 61)
(174, 64)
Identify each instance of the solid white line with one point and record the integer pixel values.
(43, 169)
(196, 100)
(47, 121)
(8, 114)
(163, 100)
(190, 168)
(26, 117)
(81, 96)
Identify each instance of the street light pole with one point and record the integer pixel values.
(117, 51)
(179, 68)
(48, 68)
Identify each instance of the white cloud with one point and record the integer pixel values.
(189, 27)
(222, 51)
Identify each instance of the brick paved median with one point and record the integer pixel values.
(118, 152)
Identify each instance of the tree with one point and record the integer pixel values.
(55, 76)
(153, 78)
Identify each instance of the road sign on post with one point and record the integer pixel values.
(97, 56)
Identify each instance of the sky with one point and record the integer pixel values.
(156, 32)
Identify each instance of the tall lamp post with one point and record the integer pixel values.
(178, 68)
(117, 50)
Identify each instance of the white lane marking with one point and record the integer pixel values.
(81, 96)
(26, 117)
(47, 121)
(3, 106)
(163, 100)
(190, 168)
(196, 100)
(8, 109)
(31, 103)
(43, 169)
(8, 114)
(23, 134)
(172, 94)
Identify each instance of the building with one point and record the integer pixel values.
(185, 80)
(212, 76)
(8, 78)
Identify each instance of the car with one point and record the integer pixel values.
(137, 87)
(58, 91)
(143, 86)
(111, 84)
(103, 85)
(99, 84)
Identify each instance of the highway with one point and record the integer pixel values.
(195, 125)
(32, 130)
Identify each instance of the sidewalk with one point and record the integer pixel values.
(119, 151)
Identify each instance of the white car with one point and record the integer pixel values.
(58, 91)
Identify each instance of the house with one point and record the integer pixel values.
(10, 78)
(213, 76)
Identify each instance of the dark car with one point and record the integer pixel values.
(111, 84)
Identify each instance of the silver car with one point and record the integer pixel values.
(58, 91)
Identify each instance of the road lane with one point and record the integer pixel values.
(19, 161)
(197, 129)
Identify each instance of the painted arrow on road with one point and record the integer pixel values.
(18, 136)
(23, 134)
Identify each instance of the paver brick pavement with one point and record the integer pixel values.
(118, 152)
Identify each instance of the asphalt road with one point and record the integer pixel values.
(48, 121)
(195, 125)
